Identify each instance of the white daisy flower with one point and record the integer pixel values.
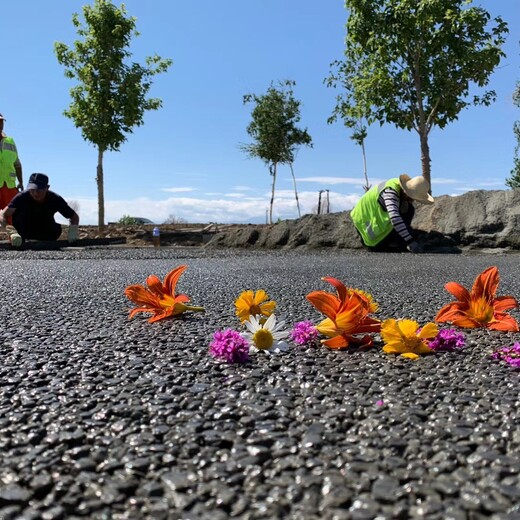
(266, 336)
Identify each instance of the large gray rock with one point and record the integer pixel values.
(474, 220)
(477, 219)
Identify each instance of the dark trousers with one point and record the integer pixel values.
(393, 242)
(31, 230)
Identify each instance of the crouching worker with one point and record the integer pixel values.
(33, 213)
(383, 215)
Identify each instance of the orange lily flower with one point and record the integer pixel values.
(347, 315)
(480, 307)
(159, 298)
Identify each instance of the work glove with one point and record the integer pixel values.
(415, 247)
(72, 235)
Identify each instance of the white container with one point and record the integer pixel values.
(156, 236)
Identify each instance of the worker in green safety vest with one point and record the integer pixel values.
(383, 215)
(11, 178)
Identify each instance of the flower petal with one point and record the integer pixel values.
(270, 322)
(410, 355)
(259, 297)
(327, 327)
(450, 312)
(267, 308)
(325, 303)
(166, 313)
(504, 322)
(141, 296)
(339, 286)
(337, 342)
(430, 330)
(486, 283)
(280, 346)
(460, 292)
(155, 285)
(466, 322)
(252, 324)
(390, 349)
(172, 278)
(504, 303)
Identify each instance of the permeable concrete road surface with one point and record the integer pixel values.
(102, 417)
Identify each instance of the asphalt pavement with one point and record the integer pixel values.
(103, 417)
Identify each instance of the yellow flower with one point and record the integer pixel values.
(251, 303)
(402, 337)
(373, 306)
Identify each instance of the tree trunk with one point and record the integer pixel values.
(295, 191)
(101, 196)
(367, 184)
(273, 173)
(425, 157)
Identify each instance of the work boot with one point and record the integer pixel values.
(16, 240)
(14, 237)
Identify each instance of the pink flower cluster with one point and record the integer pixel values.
(230, 346)
(304, 333)
(447, 340)
(510, 355)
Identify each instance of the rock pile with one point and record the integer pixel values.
(474, 220)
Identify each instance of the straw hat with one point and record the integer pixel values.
(416, 188)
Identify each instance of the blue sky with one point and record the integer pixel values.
(185, 160)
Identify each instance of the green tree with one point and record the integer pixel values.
(110, 95)
(274, 131)
(514, 180)
(411, 63)
(127, 220)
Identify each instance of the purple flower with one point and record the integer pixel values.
(304, 333)
(447, 340)
(230, 346)
(510, 355)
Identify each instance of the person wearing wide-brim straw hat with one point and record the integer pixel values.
(383, 215)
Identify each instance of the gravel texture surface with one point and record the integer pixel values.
(106, 418)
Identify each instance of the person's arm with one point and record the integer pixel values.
(19, 174)
(67, 212)
(391, 202)
(6, 212)
(72, 233)
(74, 220)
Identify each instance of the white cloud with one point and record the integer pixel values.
(178, 190)
(495, 184)
(242, 188)
(444, 180)
(221, 209)
(334, 180)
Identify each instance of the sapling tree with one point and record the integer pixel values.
(276, 138)
(109, 98)
(514, 180)
(359, 134)
(416, 63)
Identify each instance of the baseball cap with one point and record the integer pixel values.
(2, 117)
(38, 181)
